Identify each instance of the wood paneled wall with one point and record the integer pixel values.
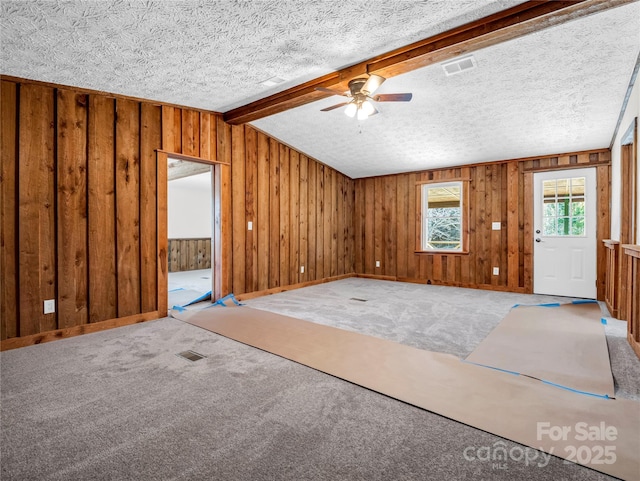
(301, 213)
(189, 254)
(83, 209)
(630, 254)
(386, 217)
(78, 224)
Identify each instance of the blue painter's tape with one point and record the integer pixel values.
(177, 289)
(178, 308)
(603, 321)
(203, 297)
(601, 396)
(584, 301)
(550, 304)
(231, 297)
(491, 367)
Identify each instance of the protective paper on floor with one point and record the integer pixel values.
(514, 407)
(186, 297)
(564, 344)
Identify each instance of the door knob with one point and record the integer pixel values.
(538, 239)
(537, 231)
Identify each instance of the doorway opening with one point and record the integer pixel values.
(190, 203)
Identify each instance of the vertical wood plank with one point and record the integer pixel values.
(390, 195)
(128, 206)
(72, 270)
(283, 156)
(327, 228)
(334, 224)
(150, 140)
(294, 216)
(263, 252)
(369, 226)
(206, 141)
(320, 224)
(303, 203)
(403, 224)
(413, 214)
(102, 209)
(603, 227)
(190, 132)
(8, 208)
(528, 232)
(251, 187)
(358, 222)
(36, 214)
(379, 227)
(513, 246)
(238, 180)
(496, 216)
(312, 208)
(168, 129)
(274, 213)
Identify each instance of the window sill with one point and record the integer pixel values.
(443, 252)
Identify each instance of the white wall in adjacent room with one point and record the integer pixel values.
(189, 207)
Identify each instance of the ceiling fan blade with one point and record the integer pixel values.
(393, 97)
(372, 84)
(327, 109)
(331, 91)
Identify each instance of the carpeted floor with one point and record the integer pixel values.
(120, 405)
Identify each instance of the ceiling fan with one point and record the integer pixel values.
(361, 94)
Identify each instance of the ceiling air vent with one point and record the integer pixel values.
(459, 65)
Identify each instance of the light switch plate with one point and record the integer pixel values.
(377, 263)
(50, 306)
(496, 271)
(249, 225)
(496, 225)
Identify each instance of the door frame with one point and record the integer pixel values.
(603, 221)
(162, 225)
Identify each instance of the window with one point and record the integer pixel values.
(563, 211)
(442, 217)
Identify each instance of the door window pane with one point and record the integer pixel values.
(563, 207)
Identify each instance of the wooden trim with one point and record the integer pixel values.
(612, 277)
(631, 250)
(49, 336)
(162, 238)
(631, 258)
(505, 25)
(567, 167)
(192, 158)
(439, 181)
(290, 287)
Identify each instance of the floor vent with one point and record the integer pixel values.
(459, 65)
(190, 356)
(358, 299)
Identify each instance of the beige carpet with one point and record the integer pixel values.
(563, 344)
(553, 420)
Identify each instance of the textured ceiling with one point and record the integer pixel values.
(557, 90)
(212, 55)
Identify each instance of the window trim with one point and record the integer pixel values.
(464, 249)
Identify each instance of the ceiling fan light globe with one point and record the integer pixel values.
(367, 108)
(351, 109)
(362, 115)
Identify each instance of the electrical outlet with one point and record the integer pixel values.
(301, 269)
(496, 271)
(249, 225)
(496, 225)
(50, 306)
(377, 263)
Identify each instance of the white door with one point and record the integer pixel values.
(564, 253)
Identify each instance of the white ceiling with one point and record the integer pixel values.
(557, 90)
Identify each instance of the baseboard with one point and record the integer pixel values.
(635, 345)
(49, 336)
(290, 287)
(486, 287)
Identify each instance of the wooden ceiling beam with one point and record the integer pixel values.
(523, 19)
